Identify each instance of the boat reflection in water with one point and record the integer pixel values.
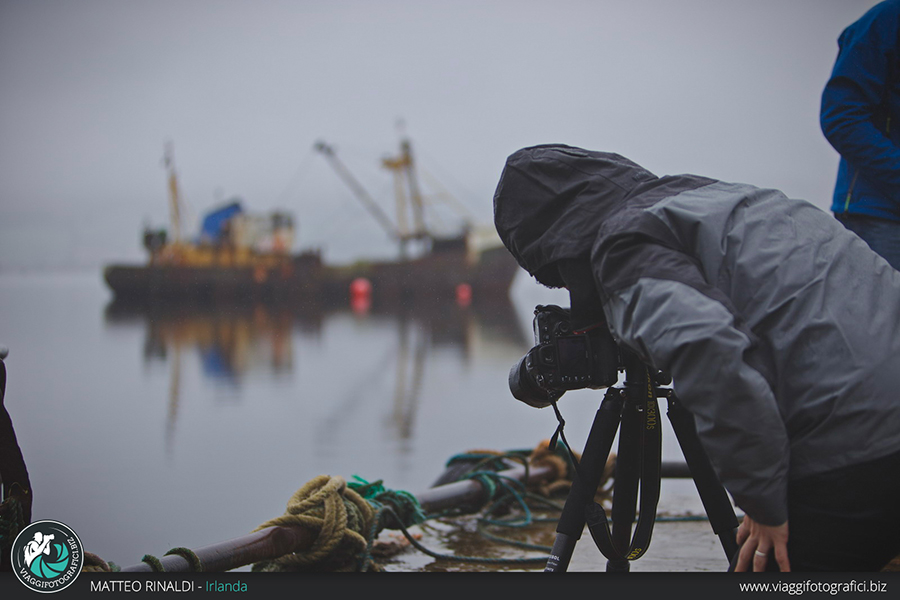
(233, 342)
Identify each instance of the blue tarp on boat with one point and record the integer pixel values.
(214, 223)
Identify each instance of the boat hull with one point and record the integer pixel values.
(435, 277)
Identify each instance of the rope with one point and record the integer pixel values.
(94, 564)
(342, 518)
(561, 460)
(394, 510)
(190, 556)
(502, 492)
(186, 553)
(155, 565)
(470, 559)
(405, 508)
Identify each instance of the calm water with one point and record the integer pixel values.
(144, 432)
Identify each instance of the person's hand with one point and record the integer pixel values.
(758, 542)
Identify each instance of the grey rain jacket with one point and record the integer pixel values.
(780, 327)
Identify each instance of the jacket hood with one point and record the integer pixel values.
(551, 199)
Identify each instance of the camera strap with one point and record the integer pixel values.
(559, 433)
(650, 476)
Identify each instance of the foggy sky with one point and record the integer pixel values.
(91, 90)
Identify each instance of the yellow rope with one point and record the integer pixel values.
(561, 481)
(342, 519)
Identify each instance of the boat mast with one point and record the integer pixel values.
(403, 167)
(174, 197)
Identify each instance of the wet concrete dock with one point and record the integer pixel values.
(676, 546)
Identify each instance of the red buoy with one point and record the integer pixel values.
(360, 295)
(463, 294)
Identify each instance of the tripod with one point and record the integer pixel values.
(634, 408)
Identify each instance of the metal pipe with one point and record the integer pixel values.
(268, 543)
(274, 542)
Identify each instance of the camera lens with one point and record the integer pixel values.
(524, 388)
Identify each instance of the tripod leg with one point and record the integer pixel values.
(712, 494)
(590, 471)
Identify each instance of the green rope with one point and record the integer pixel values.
(189, 555)
(524, 521)
(393, 509)
(468, 559)
(484, 471)
(501, 492)
(514, 492)
(155, 565)
(491, 461)
(405, 506)
(386, 504)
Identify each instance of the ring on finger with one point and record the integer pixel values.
(763, 554)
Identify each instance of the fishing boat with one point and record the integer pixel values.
(240, 256)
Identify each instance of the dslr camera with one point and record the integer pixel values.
(564, 358)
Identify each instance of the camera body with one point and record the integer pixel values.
(563, 358)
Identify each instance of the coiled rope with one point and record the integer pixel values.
(343, 519)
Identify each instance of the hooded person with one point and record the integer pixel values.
(779, 327)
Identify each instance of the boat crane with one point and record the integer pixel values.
(406, 188)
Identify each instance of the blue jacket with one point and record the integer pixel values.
(860, 114)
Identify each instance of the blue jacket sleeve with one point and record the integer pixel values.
(852, 117)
